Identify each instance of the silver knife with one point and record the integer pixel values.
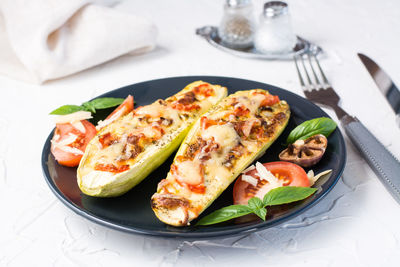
(384, 83)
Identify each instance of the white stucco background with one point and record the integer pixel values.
(357, 224)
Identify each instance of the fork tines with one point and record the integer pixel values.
(313, 64)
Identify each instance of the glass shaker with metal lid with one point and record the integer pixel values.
(237, 26)
(275, 33)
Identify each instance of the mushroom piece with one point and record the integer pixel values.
(305, 152)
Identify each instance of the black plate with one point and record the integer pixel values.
(132, 212)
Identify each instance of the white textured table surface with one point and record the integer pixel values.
(357, 224)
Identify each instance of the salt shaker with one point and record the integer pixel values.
(237, 26)
(275, 33)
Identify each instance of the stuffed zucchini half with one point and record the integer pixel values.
(124, 152)
(220, 145)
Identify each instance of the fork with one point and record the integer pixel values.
(318, 90)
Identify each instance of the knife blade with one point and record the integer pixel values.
(384, 83)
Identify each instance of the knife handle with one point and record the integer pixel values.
(382, 162)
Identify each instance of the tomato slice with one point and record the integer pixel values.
(123, 109)
(111, 168)
(63, 131)
(289, 173)
(270, 100)
(204, 89)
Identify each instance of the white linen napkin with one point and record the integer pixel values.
(48, 39)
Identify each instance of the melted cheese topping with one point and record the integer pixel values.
(109, 154)
(153, 110)
(242, 131)
(216, 170)
(154, 125)
(251, 146)
(227, 138)
(189, 172)
(224, 135)
(149, 131)
(173, 114)
(127, 125)
(252, 103)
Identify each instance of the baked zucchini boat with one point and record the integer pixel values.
(220, 145)
(124, 152)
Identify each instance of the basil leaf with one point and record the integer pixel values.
(312, 127)
(262, 213)
(105, 102)
(66, 109)
(225, 214)
(255, 203)
(89, 107)
(277, 196)
(98, 103)
(287, 194)
(257, 207)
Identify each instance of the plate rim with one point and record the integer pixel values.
(246, 229)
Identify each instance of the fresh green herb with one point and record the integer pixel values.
(277, 196)
(66, 109)
(92, 106)
(312, 127)
(257, 207)
(225, 214)
(105, 102)
(287, 194)
(89, 107)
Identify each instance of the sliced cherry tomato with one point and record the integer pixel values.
(241, 111)
(183, 107)
(204, 89)
(63, 131)
(270, 100)
(290, 174)
(111, 168)
(123, 109)
(207, 122)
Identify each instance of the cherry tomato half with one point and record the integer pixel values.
(123, 109)
(290, 174)
(63, 130)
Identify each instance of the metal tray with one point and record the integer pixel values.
(210, 33)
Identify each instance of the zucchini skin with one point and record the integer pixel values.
(134, 176)
(112, 185)
(172, 208)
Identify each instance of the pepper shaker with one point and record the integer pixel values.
(275, 33)
(237, 26)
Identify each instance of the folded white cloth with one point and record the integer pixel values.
(48, 39)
